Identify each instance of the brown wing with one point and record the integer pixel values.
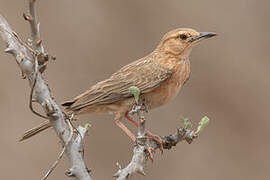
(144, 74)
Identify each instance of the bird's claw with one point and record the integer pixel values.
(150, 151)
(158, 140)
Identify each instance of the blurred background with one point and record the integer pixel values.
(92, 39)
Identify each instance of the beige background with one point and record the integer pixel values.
(92, 39)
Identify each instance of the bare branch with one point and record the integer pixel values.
(41, 94)
(34, 25)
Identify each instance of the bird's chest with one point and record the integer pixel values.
(171, 87)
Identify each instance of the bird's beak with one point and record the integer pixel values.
(203, 35)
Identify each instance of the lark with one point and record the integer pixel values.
(160, 76)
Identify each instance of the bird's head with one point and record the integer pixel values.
(179, 42)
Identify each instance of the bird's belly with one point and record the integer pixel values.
(168, 89)
(162, 95)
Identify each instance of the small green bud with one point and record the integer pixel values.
(187, 123)
(87, 126)
(202, 124)
(136, 93)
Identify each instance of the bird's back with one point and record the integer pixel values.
(145, 73)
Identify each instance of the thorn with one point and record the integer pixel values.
(23, 75)
(145, 108)
(29, 42)
(38, 26)
(119, 170)
(118, 165)
(88, 170)
(141, 171)
(42, 68)
(39, 41)
(53, 58)
(27, 17)
(48, 106)
(68, 173)
(43, 57)
(189, 141)
(178, 131)
(8, 50)
(116, 174)
(142, 119)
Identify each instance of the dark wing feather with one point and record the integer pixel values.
(144, 74)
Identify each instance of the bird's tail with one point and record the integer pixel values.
(45, 125)
(35, 130)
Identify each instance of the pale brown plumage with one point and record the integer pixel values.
(159, 75)
(145, 74)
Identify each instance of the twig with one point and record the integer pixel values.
(38, 48)
(34, 25)
(77, 146)
(62, 152)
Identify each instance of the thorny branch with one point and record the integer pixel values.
(140, 153)
(31, 62)
(62, 152)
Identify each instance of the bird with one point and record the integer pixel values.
(160, 76)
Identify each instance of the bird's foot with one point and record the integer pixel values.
(156, 138)
(150, 151)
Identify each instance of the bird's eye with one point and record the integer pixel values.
(183, 36)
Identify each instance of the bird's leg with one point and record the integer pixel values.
(149, 134)
(133, 121)
(132, 137)
(125, 129)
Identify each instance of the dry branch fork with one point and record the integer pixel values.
(31, 62)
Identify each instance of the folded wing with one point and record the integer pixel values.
(144, 74)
